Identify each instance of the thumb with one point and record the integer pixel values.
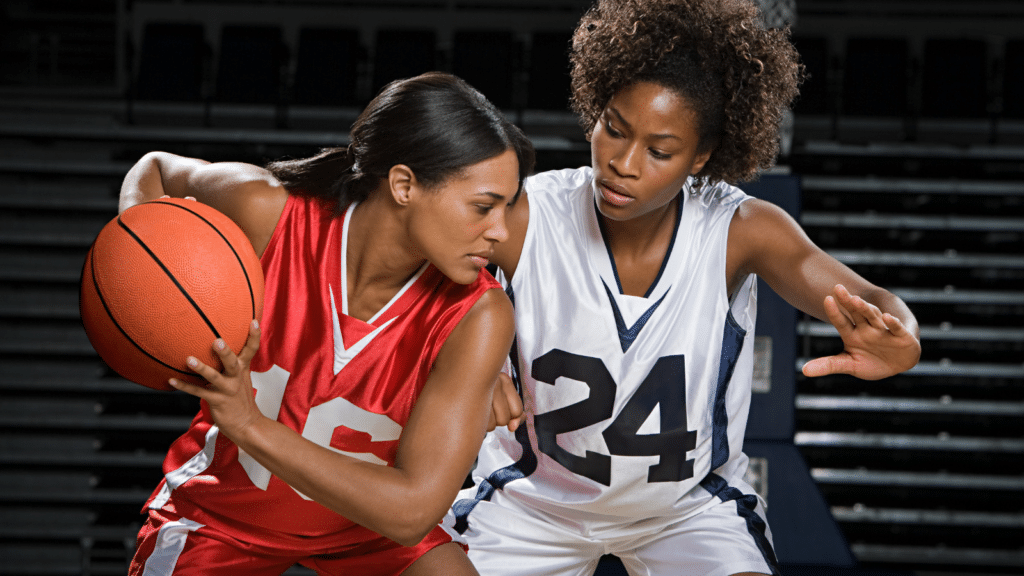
(838, 364)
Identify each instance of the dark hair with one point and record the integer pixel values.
(738, 75)
(435, 123)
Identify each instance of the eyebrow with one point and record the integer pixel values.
(628, 125)
(494, 195)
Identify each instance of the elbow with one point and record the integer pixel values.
(412, 527)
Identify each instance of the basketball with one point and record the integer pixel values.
(161, 281)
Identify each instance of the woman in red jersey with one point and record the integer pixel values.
(340, 434)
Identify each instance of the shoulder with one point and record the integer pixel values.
(723, 196)
(554, 181)
(755, 217)
(487, 326)
(553, 192)
(493, 304)
(545, 197)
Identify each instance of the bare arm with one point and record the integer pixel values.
(247, 194)
(438, 444)
(879, 332)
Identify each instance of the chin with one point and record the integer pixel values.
(460, 275)
(612, 212)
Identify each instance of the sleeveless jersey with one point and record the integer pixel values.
(338, 381)
(632, 401)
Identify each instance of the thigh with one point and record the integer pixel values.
(169, 545)
(726, 539)
(505, 541)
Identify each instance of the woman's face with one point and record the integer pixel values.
(457, 225)
(643, 148)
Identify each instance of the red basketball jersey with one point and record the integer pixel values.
(338, 381)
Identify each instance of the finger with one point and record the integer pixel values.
(516, 422)
(208, 372)
(188, 387)
(252, 343)
(838, 364)
(837, 316)
(852, 306)
(894, 325)
(227, 357)
(499, 409)
(864, 311)
(192, 198)
(512, 400)
(491, 424)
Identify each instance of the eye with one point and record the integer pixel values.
(611, 130)
(484, 209)
(659, 155)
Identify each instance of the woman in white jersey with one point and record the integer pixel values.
(633, 282)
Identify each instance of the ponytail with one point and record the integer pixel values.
(331, 176)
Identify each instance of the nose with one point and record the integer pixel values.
(625, 161)
(498, 230)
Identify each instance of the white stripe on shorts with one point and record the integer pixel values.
(169, 544)
(189, 470)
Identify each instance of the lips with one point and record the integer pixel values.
(613, 194)
(480, 260)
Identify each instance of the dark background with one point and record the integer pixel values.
(904, 160)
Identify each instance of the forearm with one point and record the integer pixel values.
(396, 503)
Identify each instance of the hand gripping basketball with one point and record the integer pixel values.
(229, 392)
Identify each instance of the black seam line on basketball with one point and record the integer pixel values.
(99, 293)
(248, 282)
(171, 276)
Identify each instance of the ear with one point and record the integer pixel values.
(401, 182)
(699, 161)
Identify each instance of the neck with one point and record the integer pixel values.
(380, 258)
(642, 234)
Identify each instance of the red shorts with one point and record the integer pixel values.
(169, 544)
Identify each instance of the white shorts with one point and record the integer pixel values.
(729, 537)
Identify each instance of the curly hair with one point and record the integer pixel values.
(739, 76)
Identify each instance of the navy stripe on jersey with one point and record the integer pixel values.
(525, 466)
(522, 468)
(513, 353)
(628, 335)
(746, 507)
(732, 345)
(664, 262)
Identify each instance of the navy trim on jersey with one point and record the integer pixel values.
(628, 335)
(746, 507)
(513, 352)
(522, 468)
(526, 465)
(732, 345)
(664, 262)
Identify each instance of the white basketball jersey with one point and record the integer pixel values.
(633, 401)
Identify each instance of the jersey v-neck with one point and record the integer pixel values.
(664, 261)
(354, 329)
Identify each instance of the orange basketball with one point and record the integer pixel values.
(162, 281)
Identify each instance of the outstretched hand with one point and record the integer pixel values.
(876, 344)
(229, 393)
(506, 406)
